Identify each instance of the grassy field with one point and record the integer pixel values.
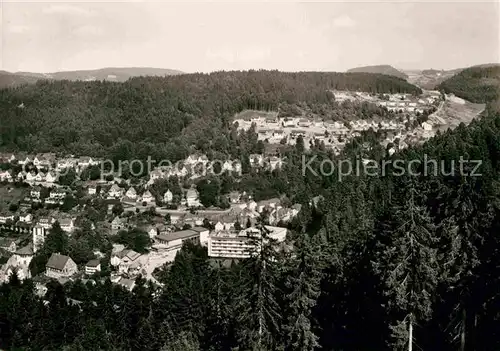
(9, 195)
(456, 111)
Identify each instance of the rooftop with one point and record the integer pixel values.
(127, 283)
(178, 235)
(199, 229)
(6, 242)
(93, 263)
(57, 261)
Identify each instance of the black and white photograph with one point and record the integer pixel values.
(250, 176)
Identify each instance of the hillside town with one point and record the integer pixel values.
(45, 189)
(41, 195)
(37, 197)
(300, 176)
(408, 122)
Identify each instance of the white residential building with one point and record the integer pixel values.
(35, 192)
(115, 192)
(67, 225)
(147, 197)
(51, 177)
(5, 217)
(427, 126)
(92, 267)
(256, 160)
(5, 176)
(192, 198)
(128, 261)
(239, 245)
(92, 190)
(25, 217)
(168, 197)
(58, 194)
(131, 193)
(46, 222)
(60, 266)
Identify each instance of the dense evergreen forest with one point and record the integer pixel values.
(478, 84)
(164, 116)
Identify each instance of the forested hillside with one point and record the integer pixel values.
(378, 254)
(164, 114)
(477, 84)
(114, 74)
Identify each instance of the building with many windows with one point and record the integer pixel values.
(239, 244)
(175, 240)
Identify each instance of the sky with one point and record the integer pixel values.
(208, 36)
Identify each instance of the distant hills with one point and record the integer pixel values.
(116, 74)
(430, 78)
(165, 117)
(8, 79)
(380, 69)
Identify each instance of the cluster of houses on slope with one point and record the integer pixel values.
(40, 160)
(195, 166)
(273, 129)
(128, 263)
(332, 134)
(48, 164)
(32, 177)
(56, 267)
(130, 196)
(393, 102)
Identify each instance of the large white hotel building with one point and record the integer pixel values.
(239, 244)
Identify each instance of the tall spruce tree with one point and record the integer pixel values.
(468, 212)
(303, 276)
(257, 309)
(407, 263)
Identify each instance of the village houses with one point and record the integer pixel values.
(60, 266)
(115, 192)
(35, 192)
(92, 267)
(6, 217)
(147, 197)
(192, 198)
(8, 244)
(118, 223)
(25, 217)
(131, 193)
(128, 261)
(168, 197)
(67, 225)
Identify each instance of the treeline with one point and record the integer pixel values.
(478, 84)
(162, 116)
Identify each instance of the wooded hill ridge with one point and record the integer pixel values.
(380, 69)
(381, 260)
(172, 112)
(478, 84)
(114, 74)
